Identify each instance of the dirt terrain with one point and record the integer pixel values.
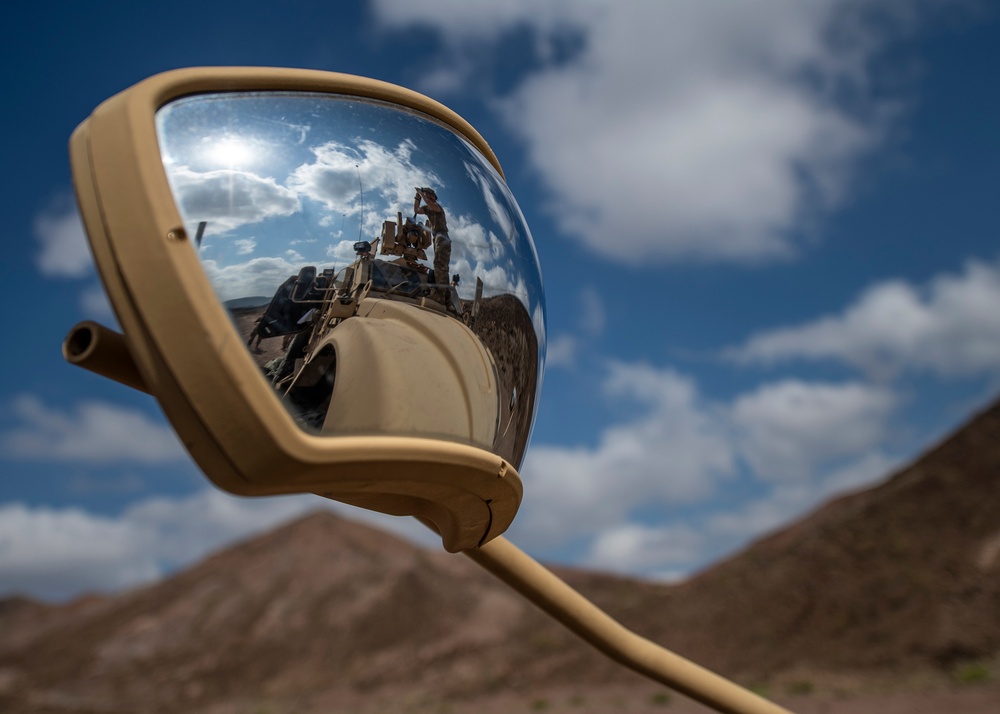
(264, 350)
(887, 600)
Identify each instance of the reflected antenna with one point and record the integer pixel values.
(361, 188)
(200, 234)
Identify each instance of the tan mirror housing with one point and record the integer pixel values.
(459, 348)
(185, 352)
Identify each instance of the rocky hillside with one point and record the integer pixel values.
(903, 575)
(329, 615)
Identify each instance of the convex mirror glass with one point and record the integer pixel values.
(373, 262)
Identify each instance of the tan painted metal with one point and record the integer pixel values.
(582, 617)
(179, 346)
(503, 559)
(102, 351)
(404, 347)
(189, 356)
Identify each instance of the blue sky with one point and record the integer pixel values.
(768, 234)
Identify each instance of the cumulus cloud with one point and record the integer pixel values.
(561, 351)
(478, 252)
(340, 173)
(760, 515)
(62, 242)
(675, 451)
(245, 246)
(258, 277)
(661, 551)
(672, 551)
(56, 553)
(93, 432)
(788, 429)
(673, 456)
(59, 553)
(683, 130)
(229, 198)
(950, 326)
(781, 448)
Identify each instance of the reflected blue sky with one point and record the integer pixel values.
(286, 180)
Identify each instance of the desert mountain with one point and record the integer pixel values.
(905, 575)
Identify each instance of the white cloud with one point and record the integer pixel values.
(228, 199)
(258, 277)
(95, 305)
(673, 456)
(675, 451)
(561, 351)
(752, 518)
(779, 449)
(245, 246)
(478, 22)
(950, 326)
(860, 473)
(788, 429)
(633, 547)
(64, 251)
(58, 553)
(682, 130)
(93, 432)
(340, 173)
(342, 253)
(672, 550)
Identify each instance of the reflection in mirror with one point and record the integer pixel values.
(371, 259)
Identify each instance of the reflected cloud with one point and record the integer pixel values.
(256, 277)
(228, 199)
(498, 211)
(342, 176)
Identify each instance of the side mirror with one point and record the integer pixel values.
(291, 358)
(217, 204)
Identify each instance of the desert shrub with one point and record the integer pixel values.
(660, 699)
(972, 673)
(800, 687)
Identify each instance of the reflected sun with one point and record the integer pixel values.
(230, 151)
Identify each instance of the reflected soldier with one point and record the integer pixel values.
(438, 223)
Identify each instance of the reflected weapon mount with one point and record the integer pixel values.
(407, 239)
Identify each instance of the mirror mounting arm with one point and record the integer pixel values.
(103, 351)
(557, 599)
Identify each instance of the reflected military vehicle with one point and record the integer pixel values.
(389, 309)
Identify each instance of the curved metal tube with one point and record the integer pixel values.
(105, 352)
(102, 351)
(539, 585)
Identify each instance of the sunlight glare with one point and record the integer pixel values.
(231, 151)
